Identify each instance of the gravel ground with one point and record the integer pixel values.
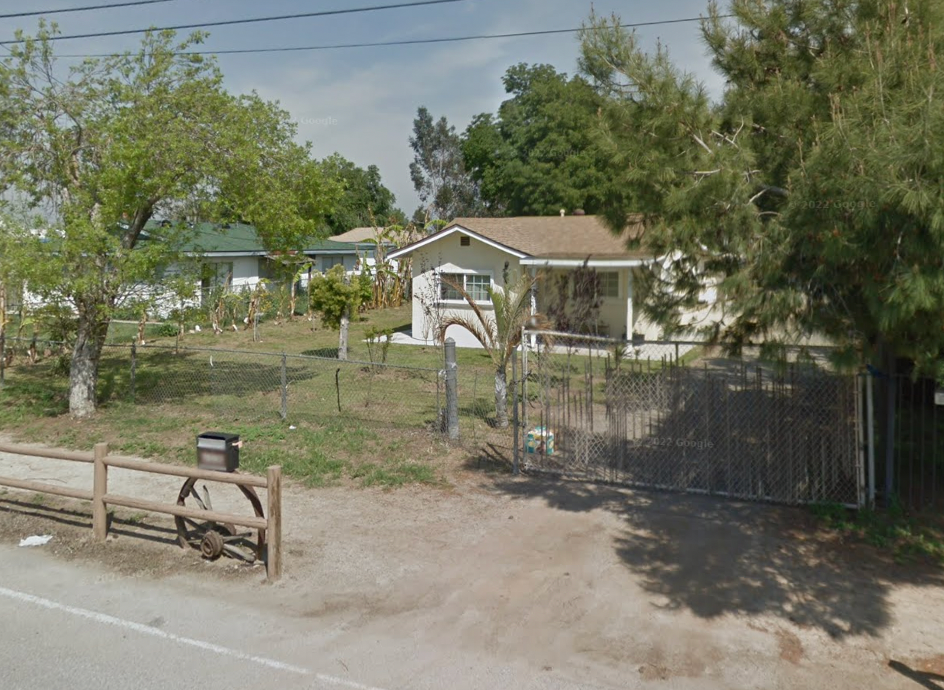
(592, 584)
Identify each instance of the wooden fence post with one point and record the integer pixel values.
(274, 520)
(99, 489)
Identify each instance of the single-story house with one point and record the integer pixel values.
(234, 256)
(475, 252)
(360, 236)
(238, 258)
(365, 239)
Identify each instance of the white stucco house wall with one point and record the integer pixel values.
(476, 251)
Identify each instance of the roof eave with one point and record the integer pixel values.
(451, 230)
(603, 262)
(214, 254)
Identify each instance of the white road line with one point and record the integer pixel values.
(105, 619)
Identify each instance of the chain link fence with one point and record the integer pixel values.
(913, 473)
(658, 415)
(785, 433)
(297, 388)
(263, 386)
(251, 386)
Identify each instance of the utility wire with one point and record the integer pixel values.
(410, 42)
(253, 20)
(89, 8)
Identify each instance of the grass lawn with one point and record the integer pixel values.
(381, 435)
(343, 422)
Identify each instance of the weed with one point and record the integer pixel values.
(394, 474)
(177, 396)
(907, 538)
(833, 515)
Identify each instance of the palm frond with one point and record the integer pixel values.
(500, 335)
(468, 298)
(483, 332)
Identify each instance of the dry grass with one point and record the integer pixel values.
(383, 435)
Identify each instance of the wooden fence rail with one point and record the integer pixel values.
(101, 499)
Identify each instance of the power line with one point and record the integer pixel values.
(254, 20)
(88, 8)
(410, 42)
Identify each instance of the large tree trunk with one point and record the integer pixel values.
(83, 372)
(501, 397)
(342, 338)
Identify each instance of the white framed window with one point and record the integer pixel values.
(475, 284)
(609, 283)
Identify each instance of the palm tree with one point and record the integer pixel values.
(499, 334)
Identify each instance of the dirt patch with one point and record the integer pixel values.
(598, 580)
(791, 649)
(135, 548)
(933, 665)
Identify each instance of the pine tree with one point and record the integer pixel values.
(813, 193)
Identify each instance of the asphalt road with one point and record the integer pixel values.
(71, 627)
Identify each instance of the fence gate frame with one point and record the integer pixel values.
(579, 425)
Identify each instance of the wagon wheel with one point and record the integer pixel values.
(216, 539)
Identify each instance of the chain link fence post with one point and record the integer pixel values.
(284, 373)
(452, 390)
(134, 369)
(3, 358)
(524, 377)
(514, 414)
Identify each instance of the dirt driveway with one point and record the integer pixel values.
(605, 587)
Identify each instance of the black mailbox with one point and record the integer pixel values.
(218, 451)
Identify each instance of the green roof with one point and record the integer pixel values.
(239, 238)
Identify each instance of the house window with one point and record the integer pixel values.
(218, 274)
(477, 287)
(329, 262)
(475, 284)
(609, 283)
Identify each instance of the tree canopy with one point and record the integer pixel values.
(115, 141)
(364, 200)
(537, 155)
(438, 171)
(813, 193)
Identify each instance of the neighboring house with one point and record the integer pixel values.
(358, 236)
(475, 252)
(365, 239)
(237, 253)
(234, 256)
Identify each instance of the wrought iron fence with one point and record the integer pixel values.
(908, 436)
(783, 433)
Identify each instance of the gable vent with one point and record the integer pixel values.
(465, 241)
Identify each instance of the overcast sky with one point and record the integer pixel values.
(361, 102)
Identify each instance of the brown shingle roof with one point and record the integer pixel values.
(356, 235)
(558, 237)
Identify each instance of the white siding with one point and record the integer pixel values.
(324, 262)
(245, 272)
(612, 321)
(449, 256)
